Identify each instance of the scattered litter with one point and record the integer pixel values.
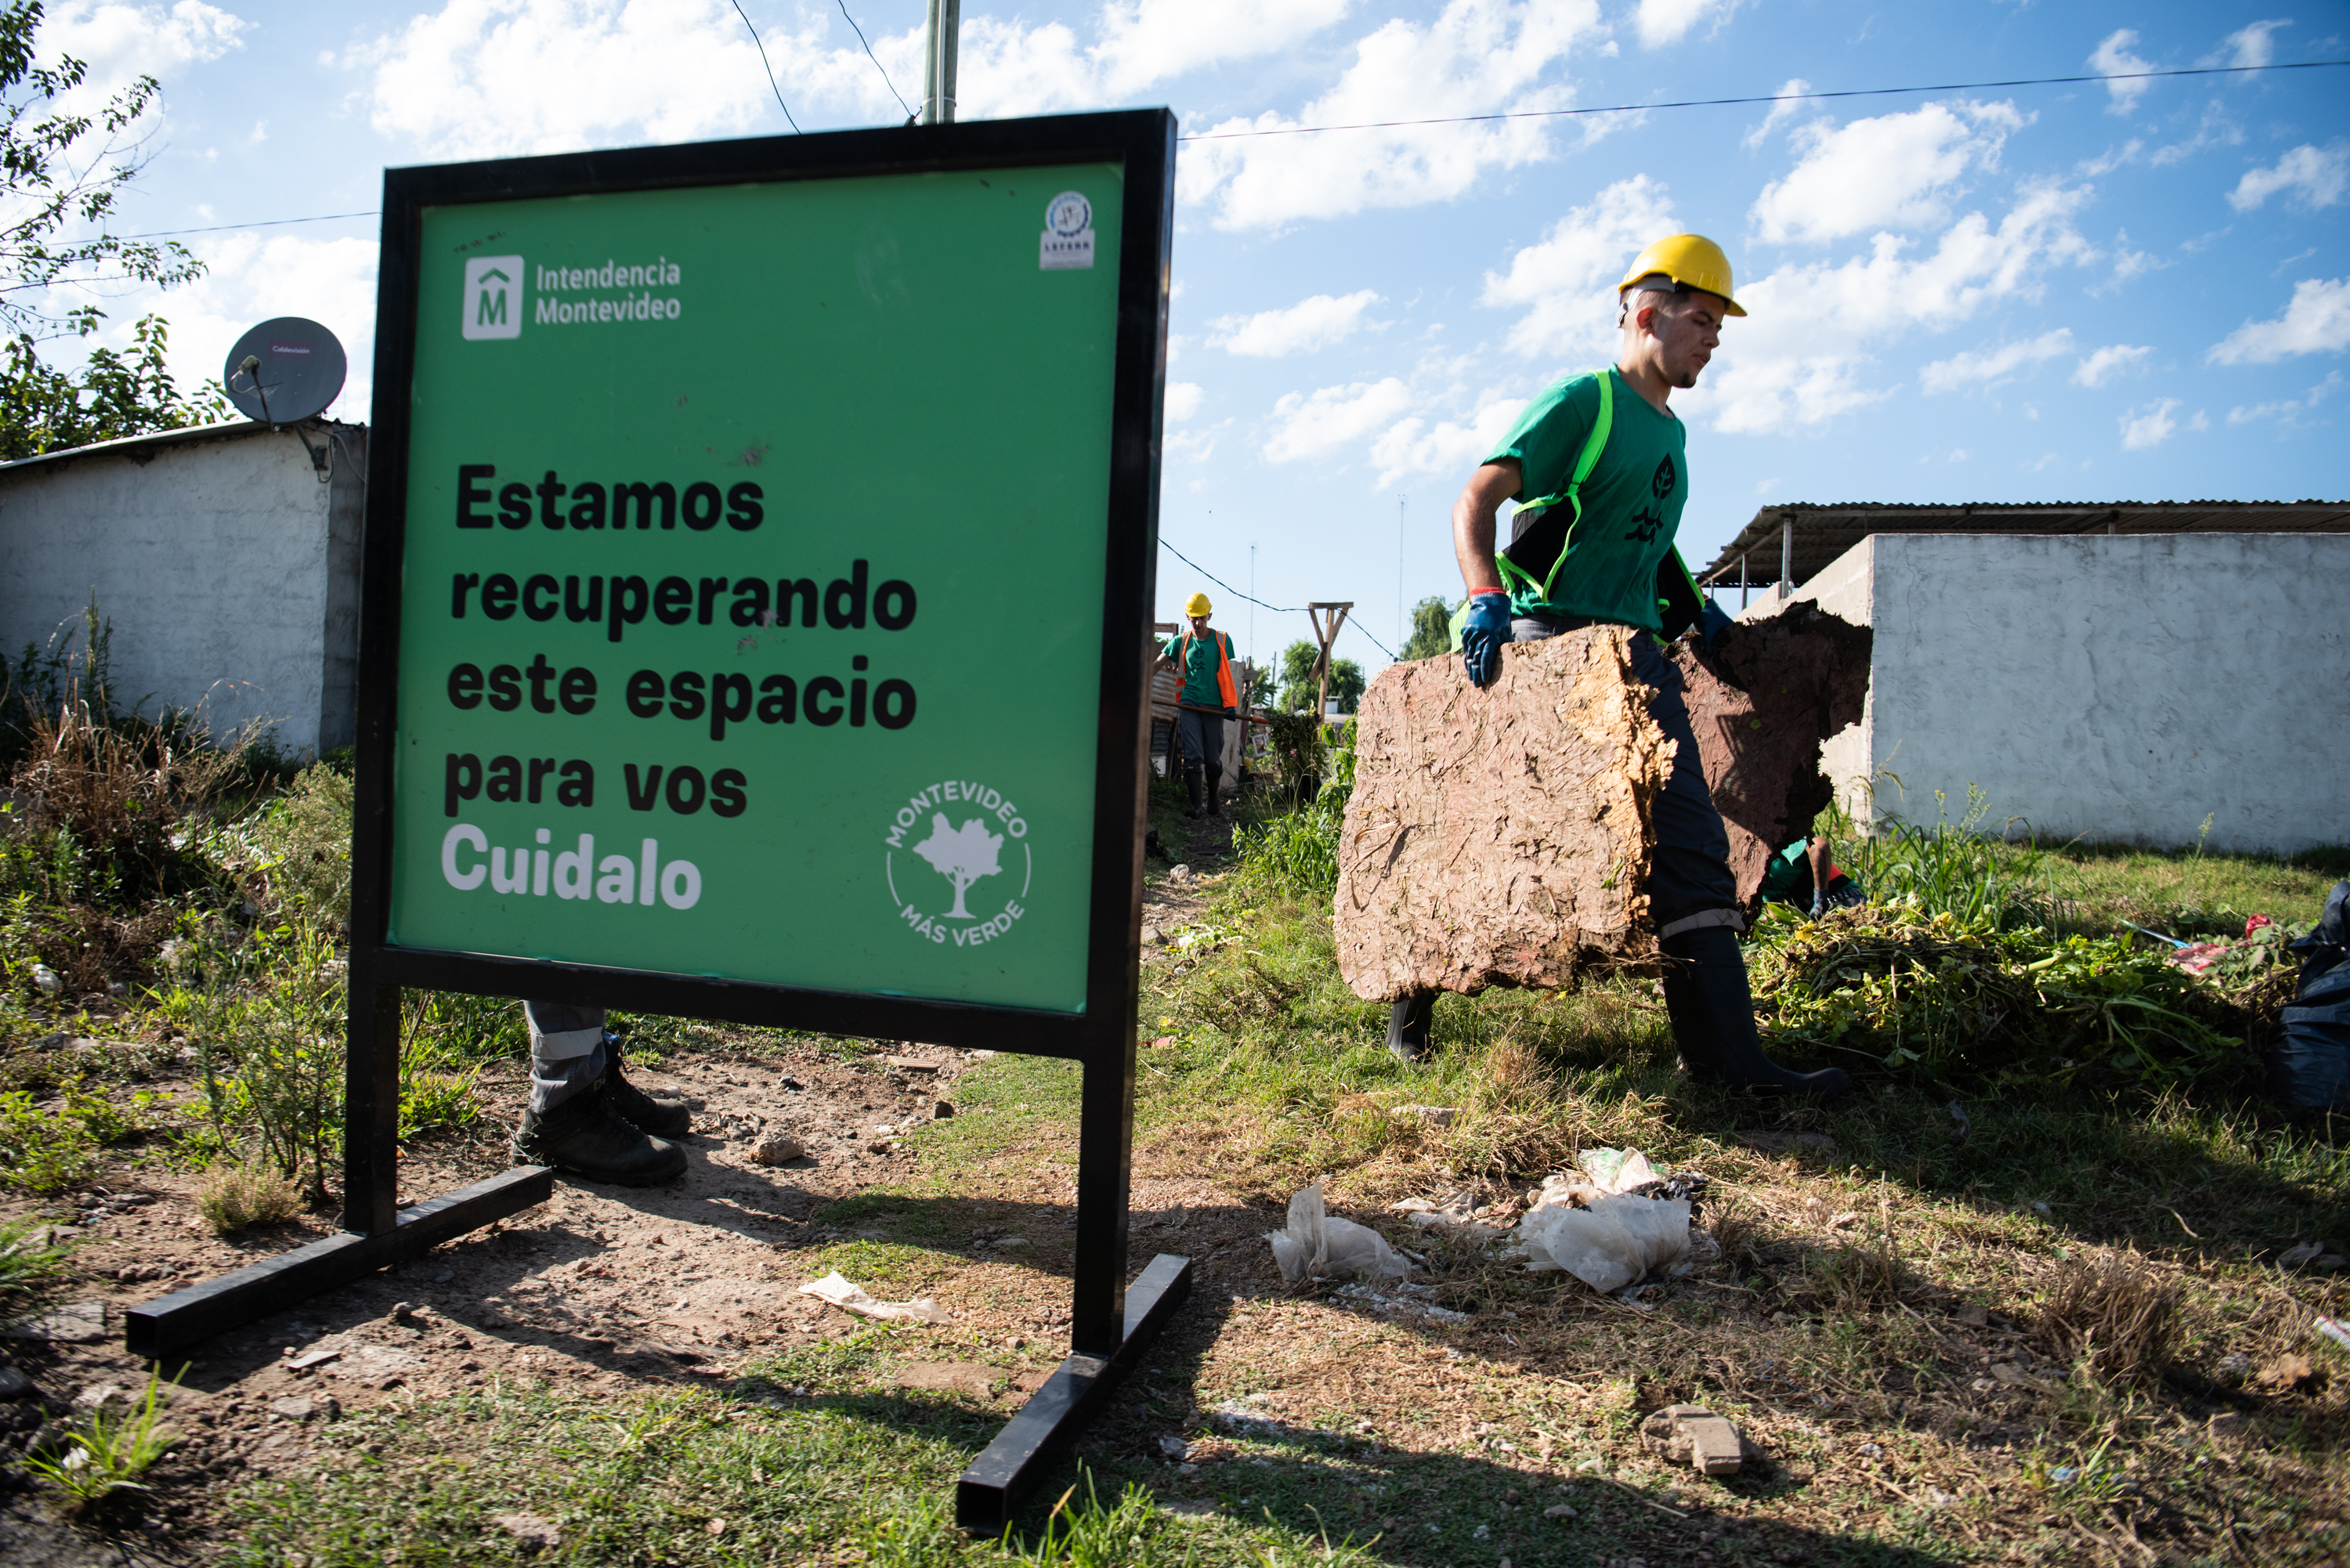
(839, 1291)
(914, 1063)
(1315, 1246)
(294, 1407)
(2294, 1257)
(1456, 1214)
(777, 1148)
(1613, 1242)
(45, 979)
(1401, 1302)
(1560, 1510)
(2065, 1475)
(2335, 1331)
(309, 1358)
(2288, 1372)
(1616, 1169)
(1434, 1116)
(99, 1396)
(1959, 1115)
(1244, 1413)
(1175, 1449)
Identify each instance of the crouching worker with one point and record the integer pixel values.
(1208, 699)
(1803, 875)
(584, 1117)
(1599, 467)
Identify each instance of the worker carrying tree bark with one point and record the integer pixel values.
(1209, 697)
(1599, 468)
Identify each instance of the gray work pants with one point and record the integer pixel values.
(567, 1050)
(1201, 738)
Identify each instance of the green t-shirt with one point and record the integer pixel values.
(1200, 687)
(1631, 504)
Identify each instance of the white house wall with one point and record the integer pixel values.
(228, 570)
(2116, 689)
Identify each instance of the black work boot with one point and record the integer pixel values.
(663, 1116)
(1408, 1021)
(1713, 1020)
(587, 1137)
(1192, 783)
(1215, 782)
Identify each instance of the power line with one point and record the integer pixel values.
(1277, 609)
(1771, 97)
(264, 223)
(771, 70)
(876, 63)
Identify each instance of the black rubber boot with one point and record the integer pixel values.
(587, 1137)
(663, 1116)
(1713, 1020)
(1215, 782)
(1192, 783)
(1407, 1024)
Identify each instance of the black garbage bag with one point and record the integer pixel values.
(2309, 1066)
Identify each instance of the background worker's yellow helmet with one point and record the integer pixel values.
(1690, 260)
(1196, 605)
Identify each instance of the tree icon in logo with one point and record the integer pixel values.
(962, 856)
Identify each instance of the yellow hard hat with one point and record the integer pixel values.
(1692, 260)
(1196, 605)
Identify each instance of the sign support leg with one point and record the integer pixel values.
(376, 1230)
(1110, 1323)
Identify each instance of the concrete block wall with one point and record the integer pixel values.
(229, 570)
(2117, 688)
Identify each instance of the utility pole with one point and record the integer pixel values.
(1252, 607)
(1328, 618)
(939, 62)
(1400, 639)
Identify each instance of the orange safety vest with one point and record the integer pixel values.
(1223, 645)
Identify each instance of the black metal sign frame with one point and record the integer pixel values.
(1110, 1323)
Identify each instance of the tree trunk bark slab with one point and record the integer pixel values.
(1761, 702)
(1500, 836)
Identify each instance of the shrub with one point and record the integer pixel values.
(305, 839)
(43, 1151)
(2116, 1314)
(235, 1196)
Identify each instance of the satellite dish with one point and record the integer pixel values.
(284, 370)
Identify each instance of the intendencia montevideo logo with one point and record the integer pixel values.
(606, 291)
(950, 830)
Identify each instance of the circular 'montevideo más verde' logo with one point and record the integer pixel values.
(957, 861)
(1069, 214)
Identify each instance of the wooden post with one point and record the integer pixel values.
(1327, 618)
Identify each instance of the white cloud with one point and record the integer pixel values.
(2287, 412)
(1182, 401)
(2109, 363)
(1662, 22)
(1568, 279)
(2148, 426)
(119, 41)
(1893, 170)
(481, 78)
(2311, 176)
(2253, 46)
(1450, 448)
(2316, 321)
(1993, 364)
(1787, 106)
(1796, 360)
(1317, 424)
(2112, 59)
(1310, 324)
(2216, 129)
(1478, 57)
(1147, 41)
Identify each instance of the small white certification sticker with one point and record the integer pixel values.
(1069, 239)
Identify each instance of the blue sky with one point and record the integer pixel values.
(2111, 290)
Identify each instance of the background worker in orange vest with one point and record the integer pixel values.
(1208, 699)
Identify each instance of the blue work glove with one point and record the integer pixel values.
(1711, 622)
(1483, 633)
(1232, 712)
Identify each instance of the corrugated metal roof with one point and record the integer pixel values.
(1826, 530)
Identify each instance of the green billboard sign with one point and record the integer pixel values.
(756, 614)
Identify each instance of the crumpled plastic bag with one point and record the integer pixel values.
(849, 1296)
(1616, 1169)
(1617, 1240)
(1315, 1246)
